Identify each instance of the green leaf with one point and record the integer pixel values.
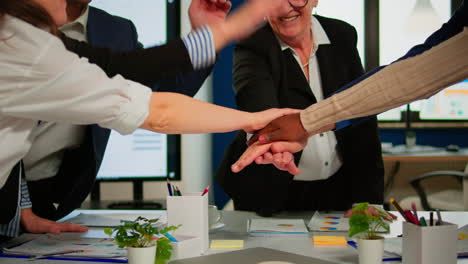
(108, 231)
(358, 223)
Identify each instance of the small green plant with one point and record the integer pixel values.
(143, 233)
(368, 219)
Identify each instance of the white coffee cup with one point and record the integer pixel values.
(214, 216)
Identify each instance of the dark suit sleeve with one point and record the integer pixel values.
(143, 65)
(253, 81)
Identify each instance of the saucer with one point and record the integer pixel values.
(217, 226)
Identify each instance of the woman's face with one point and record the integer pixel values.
(57, 9)
(292, 23)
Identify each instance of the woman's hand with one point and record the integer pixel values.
(208, 12)
(256, 152)
(35, 224)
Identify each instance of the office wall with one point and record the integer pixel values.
(196, 153)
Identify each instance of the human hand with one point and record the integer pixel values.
(35, 224)
(260, 119)
(243, 21)
(285, 128)
(208, 12)
(374, 211)
(282, 161)
(257, 150)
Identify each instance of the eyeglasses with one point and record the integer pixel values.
(298, 3)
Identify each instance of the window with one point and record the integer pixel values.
(351, 12)
(403, 24)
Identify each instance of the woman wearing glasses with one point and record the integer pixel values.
(294, 61)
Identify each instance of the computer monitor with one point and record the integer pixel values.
(450, 104)
(143, 155)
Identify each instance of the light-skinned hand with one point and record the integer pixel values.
(35, 224)
(208, 12)
(257, 150)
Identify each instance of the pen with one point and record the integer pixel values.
(431, 218)
(56, 253)
(206, 190)
(411, 217)
(397, 206)
(169, 188)
(178, 190)
(415, 212)
(439, 216)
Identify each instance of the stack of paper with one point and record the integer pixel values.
(111, 220)
(277, 226)
(328, 222)
(48, 244)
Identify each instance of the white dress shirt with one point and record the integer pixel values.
(41, 80)
(320, 158)
(51, 139)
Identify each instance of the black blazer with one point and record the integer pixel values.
(266, 77)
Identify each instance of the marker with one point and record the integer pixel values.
(169, 187)
(431, 218)
(170, 237)
(423, 221)
(397, 206)
(206, 190)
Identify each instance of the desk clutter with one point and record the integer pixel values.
(69, 246)
(194, 245)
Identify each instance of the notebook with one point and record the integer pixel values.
(252, 256)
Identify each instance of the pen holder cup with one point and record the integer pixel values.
(429, 244)
(191, 212)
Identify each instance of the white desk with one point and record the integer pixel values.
(236, 229)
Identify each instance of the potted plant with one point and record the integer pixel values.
(145, 243)
(366, 221)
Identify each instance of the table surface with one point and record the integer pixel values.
(236, 228)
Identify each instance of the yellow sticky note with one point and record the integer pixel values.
(227, 244)
(329, 241)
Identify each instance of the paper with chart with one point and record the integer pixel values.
(331, 222)
(49, 244)
(328, 222)
(277, 226)
(111, 220)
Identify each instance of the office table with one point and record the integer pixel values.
(236, 228)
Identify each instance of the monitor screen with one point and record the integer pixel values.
(143, 154)
(449, 104)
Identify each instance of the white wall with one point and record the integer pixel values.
(196, 153)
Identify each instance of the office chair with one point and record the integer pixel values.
(450, 200)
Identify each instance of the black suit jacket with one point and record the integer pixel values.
(117, 51)
(266, 77)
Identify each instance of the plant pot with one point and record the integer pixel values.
(370, 250)
(144, 255)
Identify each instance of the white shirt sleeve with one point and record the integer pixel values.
(46, 82)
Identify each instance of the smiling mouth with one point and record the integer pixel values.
(290, 18)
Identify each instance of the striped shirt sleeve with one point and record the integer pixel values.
(200, 47)
(25, 201)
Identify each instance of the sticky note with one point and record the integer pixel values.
(329, 241)
(217, 244)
